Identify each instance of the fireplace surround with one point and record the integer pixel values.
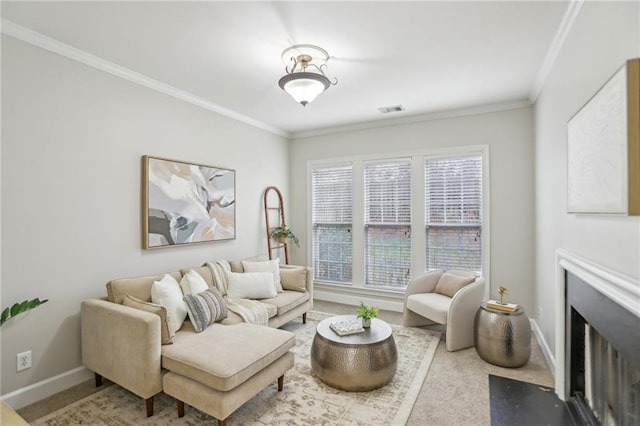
(597, 342)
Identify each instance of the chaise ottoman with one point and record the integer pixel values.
(218, 370)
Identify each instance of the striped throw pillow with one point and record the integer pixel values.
(205, 308)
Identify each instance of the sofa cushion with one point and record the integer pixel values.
(449, 284)
(205, 308)
(236, 265)
(167, 292)
(232, 318)
(165, 334)
(225, 356)
(203, 271)
(272, 266)
(193, 283)
(294, 278)
(250, 285)
(434, 306)
(139, 287)
(287, 300)
(272, 310)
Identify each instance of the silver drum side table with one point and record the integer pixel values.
(502, 338)
(358, 362)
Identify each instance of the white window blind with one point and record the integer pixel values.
(387, 201)
(453, 213)
(332, 212)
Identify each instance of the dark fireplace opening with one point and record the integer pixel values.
(602, 363)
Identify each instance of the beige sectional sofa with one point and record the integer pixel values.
(215, 371)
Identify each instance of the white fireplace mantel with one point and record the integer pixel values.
(622, 289)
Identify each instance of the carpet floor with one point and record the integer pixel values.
(304, 395)
(455, 391)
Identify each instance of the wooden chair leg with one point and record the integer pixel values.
(280, 383)
(98, 379)
(180, 408)
(222, 422)
(304, 318)
(149, 403)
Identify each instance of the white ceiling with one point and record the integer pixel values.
(428, 56)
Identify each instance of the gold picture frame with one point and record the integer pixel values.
(186, 203)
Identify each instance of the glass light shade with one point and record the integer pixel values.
(304, 87)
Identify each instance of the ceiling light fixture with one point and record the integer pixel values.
(305, 79)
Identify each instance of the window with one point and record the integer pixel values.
(332, 206)
(453, 213)
(387, 221)
(367, 214)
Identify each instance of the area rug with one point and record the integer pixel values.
(304, 400)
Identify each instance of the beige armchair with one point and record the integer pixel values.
(445, 297)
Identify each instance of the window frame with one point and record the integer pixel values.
(454, 225)
(369, 225)
(418, 245)
(338, 224)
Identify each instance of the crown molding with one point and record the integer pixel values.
(52, 45)
(570, 15)
(440, 115)
(32, 37)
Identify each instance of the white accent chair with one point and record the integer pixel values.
(424, 306)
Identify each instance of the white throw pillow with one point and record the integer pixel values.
(272, 266)
(193, 283)
(251, 285)
(167, 293)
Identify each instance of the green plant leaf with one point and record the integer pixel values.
(367, 311)
(283, 231)
(37, 302)
(18, 308)
(4, 316)
(15, 309)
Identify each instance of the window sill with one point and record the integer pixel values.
(349, 295)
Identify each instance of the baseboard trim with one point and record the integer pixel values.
(45, 388)
(546, 351)
(355, 299)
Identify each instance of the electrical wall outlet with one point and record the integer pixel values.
(23, 360)
(539, 312)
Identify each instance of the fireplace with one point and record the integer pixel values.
(600, 343)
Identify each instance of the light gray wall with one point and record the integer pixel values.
(72, 141)
(604, 35)
(509, 135)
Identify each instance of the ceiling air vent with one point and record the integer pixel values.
(387, 110)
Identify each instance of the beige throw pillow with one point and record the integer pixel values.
(294, 279)
(450, 284)
(161, 311)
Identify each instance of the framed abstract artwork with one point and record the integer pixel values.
(603, 148)
(186, 203)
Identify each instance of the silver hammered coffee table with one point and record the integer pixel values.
(357, 362)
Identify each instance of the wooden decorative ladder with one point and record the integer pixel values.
(273, 194)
